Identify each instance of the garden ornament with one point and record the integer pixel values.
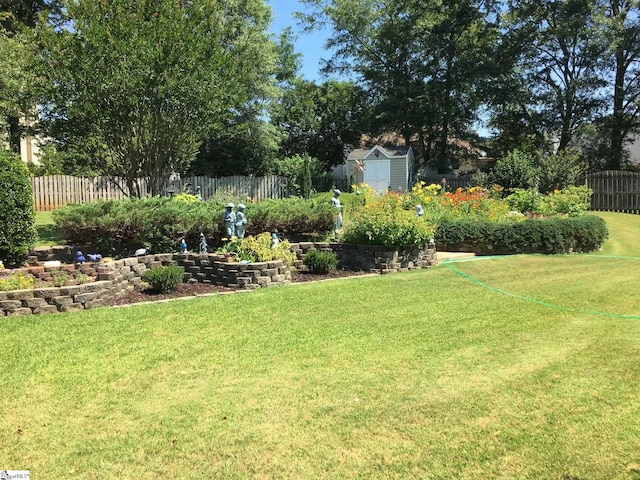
(229, 220)
(335, 203)
(419, 211)
(94, 257)
(203, 243)
(140, 252)
(274, 240)
(199, 193)
(183, 245)
(79, 258)
(241, 221)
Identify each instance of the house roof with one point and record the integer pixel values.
(390, 151)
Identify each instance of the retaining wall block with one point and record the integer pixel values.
(3, 296)
(34, 302)
(129, 262)
(85, 297)
(61, 301)
(10, 304)
(19, 294)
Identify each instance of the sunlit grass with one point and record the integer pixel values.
(48, 233)
(415, 375)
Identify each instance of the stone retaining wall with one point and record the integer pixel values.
(120, 276)
(369, 258)
(115, 278)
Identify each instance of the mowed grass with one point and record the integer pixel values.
(417, 375)
(48, 233)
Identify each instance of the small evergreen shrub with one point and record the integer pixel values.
(17, 217)
(59, 278)
(319, 262)
(164, 279)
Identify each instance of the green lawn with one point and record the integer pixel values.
(48, 233)
(506, 368)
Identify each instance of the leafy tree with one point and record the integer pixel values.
(621, 23)
(426, 64)
(149, 80)
(320, 120)
(559, 68)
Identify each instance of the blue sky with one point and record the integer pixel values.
(310, 45)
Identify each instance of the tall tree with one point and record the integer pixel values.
(426, 64)
(149, 80)
(621, 23)
(560, 65)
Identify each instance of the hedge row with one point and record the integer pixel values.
(120, 227)
(553, 235)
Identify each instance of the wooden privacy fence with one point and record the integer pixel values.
(614, 190)
(54, 191)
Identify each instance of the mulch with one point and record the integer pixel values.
(199, 289)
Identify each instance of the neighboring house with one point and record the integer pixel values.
(633, 147)
(382, 168)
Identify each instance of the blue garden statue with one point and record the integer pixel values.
(229, 220)
(79, 257)
(183, 245)
(241, 221)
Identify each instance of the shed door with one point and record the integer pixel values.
(377, 174)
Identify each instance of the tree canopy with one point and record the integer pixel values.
(147, 81)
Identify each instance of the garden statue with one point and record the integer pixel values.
(203, 244)
(229, 220)
(274, 240)
(183, 245)
(199, 193)
(241, 221)
(79, 258)
(94, 257)
(419, 211)
(140, 252)
(335, 203)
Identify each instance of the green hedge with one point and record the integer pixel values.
(119, 227)
(553, 235)
(17, 217)
(292, 218)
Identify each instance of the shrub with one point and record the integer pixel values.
(552, 235)
(319, 262)
(291, 217)
(17, 218)
(164, 279)
(516, 170)
(571, 201)
(120, 227)
(385, 222)
(259, 249)
(59, 278)
(17, 281)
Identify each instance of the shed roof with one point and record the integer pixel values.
(389, 151)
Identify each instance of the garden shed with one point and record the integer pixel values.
(382, 168)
